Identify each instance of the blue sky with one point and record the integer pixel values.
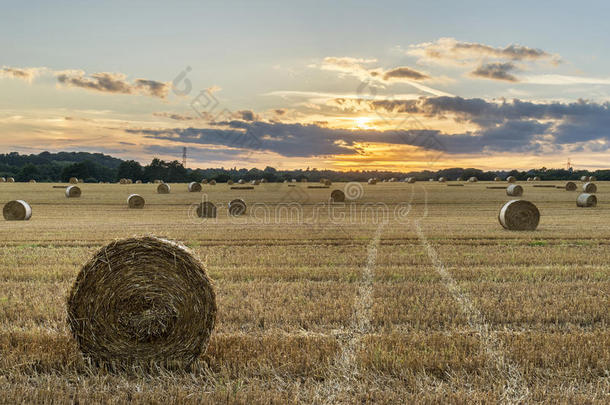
(98, 76)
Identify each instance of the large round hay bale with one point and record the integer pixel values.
(237, 207)
(230, 182)
(411, 180)
(142, 302)
(212, 182)
(337, 196)
(206, 209)
(194, 187)
(10, 180)
(511, 179)
(519, 215)
(571, 186)
(586, 200)
(584, 178)
(372, 181)
(73, 180)
(73, 192)
(589, 188)
(135, 201)
(164, 188)
(241, 181)
(17, 210)
(514, 190)
(497, 179)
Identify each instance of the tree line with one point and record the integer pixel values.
(96, 167)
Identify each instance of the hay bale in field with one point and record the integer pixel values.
(194, 187)
(327, 182)
(584, 178)
(473, 179)
(163, 188)
(442, 180)
(230, 182)
(430, 180)
(293, 180)
(204, 181)
(241, 181)
(511, 179)
(530, 179)
(237, 207)
(10, 180)
(17, 210)
(592, 178)
(135, 201)
(206, 209)
(392, 179)
(138, 181)
(157, 181)
(337, 196)
(536, 178)
(142, 303)
(2, 180)
(121, 181)
(129, 181)
(459, 179)
(255, 182)
(586, 200)
(73, 180)
(519, 215)
(73, 192)
(411, 180)
(303, 180)
(497, 179)
(32, 181)
(212, 182)
(589, 188)
(514, 190)
(571, 186)
(263, 180)
(372, 181)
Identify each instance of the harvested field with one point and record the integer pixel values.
(438, 305)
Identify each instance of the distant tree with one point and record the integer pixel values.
(27, 173)
(130, 169)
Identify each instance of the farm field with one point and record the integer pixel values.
(409, 293)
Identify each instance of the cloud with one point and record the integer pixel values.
(404, 73)
(246, 115)
(563, 80)
(496, 71)
(26, 74)
(113, 83)
(452, 51)
(174, 116)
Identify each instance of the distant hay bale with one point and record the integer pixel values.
(586, 200)
(511, 179)
(10, 180)
(230, 182)
(255, 182)
(142, 303)
(128, 181)
(73, 192)
(536, 178)
(293, 180)
(212, 182)
(589, 188)
(514, 190)
(204, 181)
(158, 181)
(241, 181)
(138, 181)
(237, 207)
(337, 196)
(411, 180)
(392, 180)
(2, 180)
(263, 180)
(17, 210)
(430, 180)
(372, 181)
(303, 180)
(327, 182)
(530, 179)
(194, 187)
(592, 178)
(497, 179)
(164, 188)
(571, 186)
(73, 180)
(459, 179)
(519, 215)
(32, 181)
(442, 180)
(473, 179)
(121, 181)
(135, 201)
(584, 178)
(206, 209)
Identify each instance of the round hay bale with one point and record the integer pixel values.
(514, 190)
(293, 180)
(194, 187)
(473, 179)
(584, 178)
(571, 186)
(337, 196)
(164, 188)
(73, 180)
(10, 180)
(128, 181)
(241, 181)
(135, 201)
(142, 302)
(442, 179)
(586, 200)
(589, 188)
(32, 181)
(511, 179)
(17, 210)
(372, 181)
(2, 180)
(73, 192)
(138, 181)
(519, 215)
(411, 180)
(230, 182)
(497, 179)
(530, 179)
(212, 182)
(430, 180)
(157, 181)
(459, 179)
(204, 181)
(263, 180)
(592, 178)
(536, 178)
(327, 182)
(206, 209)
(237, 207)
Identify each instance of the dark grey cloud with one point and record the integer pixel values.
(174, 116)
(496, 71)
(246, 115)
(113, 83)
(514, 52)
(404, 73)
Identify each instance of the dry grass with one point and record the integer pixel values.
(286, 294)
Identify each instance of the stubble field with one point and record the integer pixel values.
(410, 293)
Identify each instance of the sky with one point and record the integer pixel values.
(355, 85)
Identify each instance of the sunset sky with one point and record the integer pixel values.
(342, 85)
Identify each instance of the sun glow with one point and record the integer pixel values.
(363, 122)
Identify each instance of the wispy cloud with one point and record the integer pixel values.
(26, 74)
(563, 80)
(496, 71)
(113, 83)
